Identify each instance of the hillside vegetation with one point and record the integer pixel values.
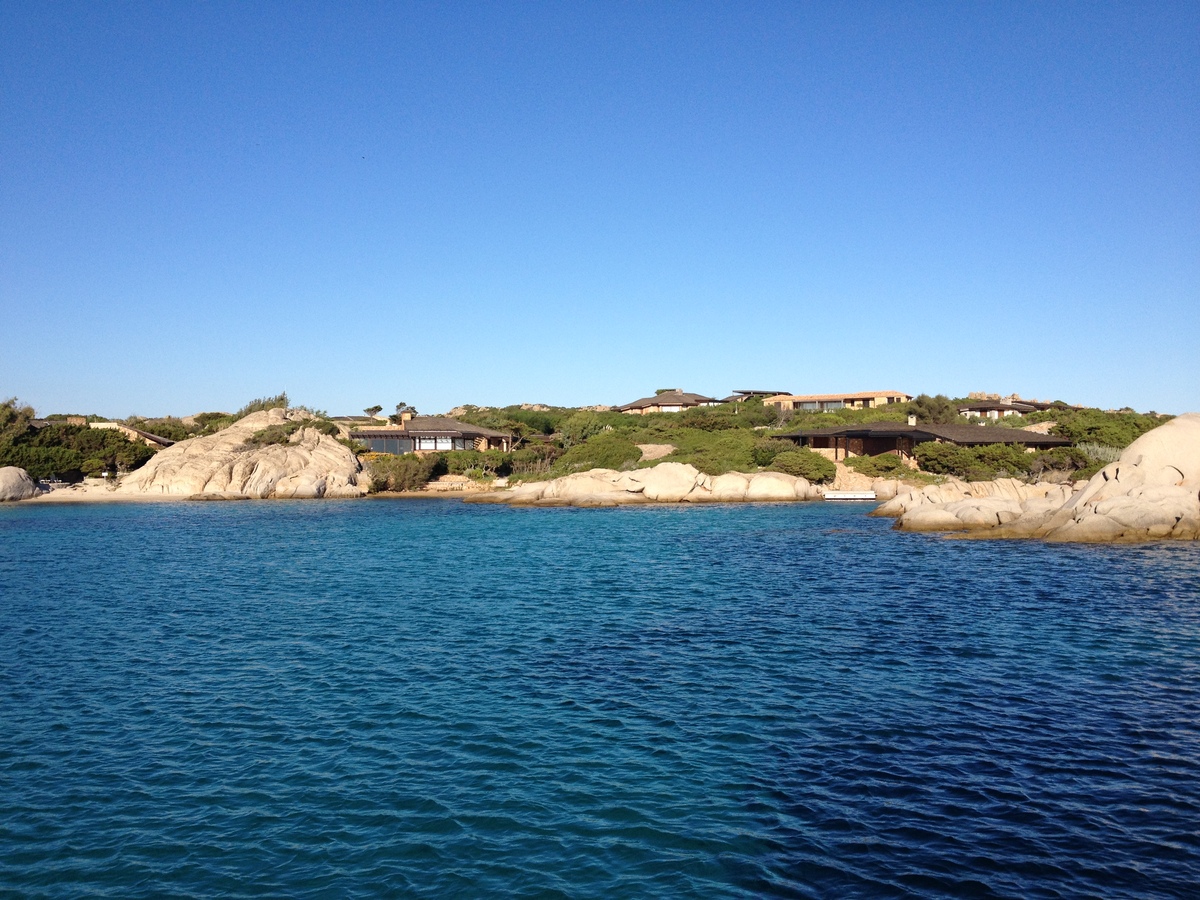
(740, 437)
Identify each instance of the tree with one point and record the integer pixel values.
(401, 409)
(373, 411)
(14, 418)
(939, 410)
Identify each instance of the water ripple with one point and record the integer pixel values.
(432, 699)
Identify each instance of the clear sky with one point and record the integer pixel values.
(577, 203)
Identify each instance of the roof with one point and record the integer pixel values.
(852, 396)
(984, 405)
(669, 398)
(746, 395)
(436, 426)
(955, 434)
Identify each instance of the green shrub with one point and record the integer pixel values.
(765, 450)
(1099, 452)
(1059, 459)
(1112, 429)
(170, 428)
(806, 464)
(982, 463)
(259, 404)
(282, 432)
(70, 451)
(886, 465)
(579, 427)
(714, 453)
(408, 472)
(485, 462)
(939, 410)
(607, 450)
(534, 459)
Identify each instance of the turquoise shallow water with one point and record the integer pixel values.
(433, 699)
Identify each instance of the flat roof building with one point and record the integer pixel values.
(876, 438)
(827, 402)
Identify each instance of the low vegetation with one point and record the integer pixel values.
(999, 461)
(607, 450)
(743, 437)
(284, 431)
(886, 465)
(60, 450)
(806, 464)
(403, 473)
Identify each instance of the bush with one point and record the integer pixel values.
(1100, 453)
(607, 450)
(70, 451)
(408, 472)
(485, 463)
(806, 464)
(170, 428)
(283, 432)
(1115, 429)
(1060, 459)
(982, 463)
(535, 459)
(579, 427)
(886, 465)
(765, 450)
(279, 401)
(714, 453)
(939, 410)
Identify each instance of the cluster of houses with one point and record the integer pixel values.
(428, 434)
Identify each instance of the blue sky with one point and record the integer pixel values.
(577, 203)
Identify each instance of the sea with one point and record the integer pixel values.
(425, 698)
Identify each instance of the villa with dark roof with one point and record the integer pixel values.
(671, 401)
(429, 434)
(876, 438)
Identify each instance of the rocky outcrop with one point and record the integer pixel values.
(1151, 492)
(15, 484)
(664, 483)
(309, 465)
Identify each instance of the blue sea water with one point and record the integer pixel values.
(426, 698)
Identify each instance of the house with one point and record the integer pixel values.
(876, 438)
(673, 400)
(997, 409)
(827, 402)
(428, 434)
(739, 396)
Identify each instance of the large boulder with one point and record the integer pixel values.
(729, 488)
(15, 484)
(772, 486)
(309, 465)
(664, 483)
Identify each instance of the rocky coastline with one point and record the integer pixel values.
(1152, 492)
